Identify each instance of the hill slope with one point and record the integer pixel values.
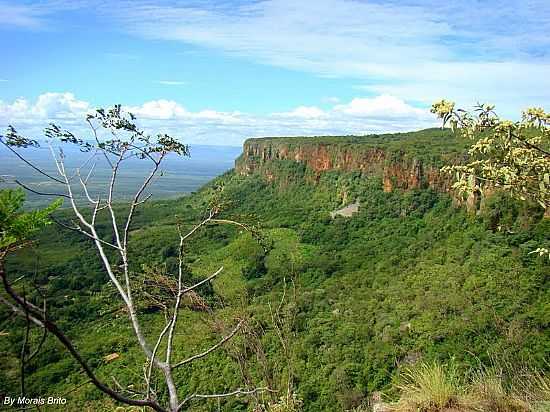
(410, 276)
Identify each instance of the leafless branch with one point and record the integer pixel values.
(28, 163)
(24, 359)
(231, 222)
(96, 137)
(82, 231)
(19, 311)
(136, 201)
(36, 192)
(197, 226)
(84, 184)
(211, 349)
(115, 152)
(208, 279)
(24, 308)
(176, 305)
(236, 392)
(153, 355)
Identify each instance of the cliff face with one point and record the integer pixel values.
(397, 169)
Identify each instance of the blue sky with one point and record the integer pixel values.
(217, 72)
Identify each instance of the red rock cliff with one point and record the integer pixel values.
(396, 169)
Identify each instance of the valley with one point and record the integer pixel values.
(417, 274)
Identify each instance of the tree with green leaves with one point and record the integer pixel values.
(115, 139)
(505, 155)
(513, 156)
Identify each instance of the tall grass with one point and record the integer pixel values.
(499, 388)
(428, 387)
(488, 391)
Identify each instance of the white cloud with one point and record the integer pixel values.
(359, 116)
(512, 86)
(381, 106)
(59, 106)
(420, 51)
(19, 109)
(213, 115)
(305, 112)
(48, 106)
(159, 109)
(36, 15)
(171, 82)
(171, 110)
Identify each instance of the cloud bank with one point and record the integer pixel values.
(402, 55)
(383, 113)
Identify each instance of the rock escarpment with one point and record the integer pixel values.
(370, 155)
(403, 161)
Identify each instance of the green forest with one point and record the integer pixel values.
(335, 310)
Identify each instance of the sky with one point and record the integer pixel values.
(217, 72)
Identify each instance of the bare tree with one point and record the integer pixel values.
(249, 350)
(115, 139)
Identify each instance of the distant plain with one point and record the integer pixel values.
(178, 176)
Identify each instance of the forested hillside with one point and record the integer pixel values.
(335, 307)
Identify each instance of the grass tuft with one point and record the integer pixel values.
(427, 388)
(488, 392)
(499, 388)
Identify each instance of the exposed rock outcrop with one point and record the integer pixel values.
(397, 169)
(347, 211)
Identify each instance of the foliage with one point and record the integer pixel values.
(514, 156)
(16, 225)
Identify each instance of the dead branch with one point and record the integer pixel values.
(26, 309)
(236, 392)
(211, 349)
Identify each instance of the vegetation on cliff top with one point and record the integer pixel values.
(429, 144)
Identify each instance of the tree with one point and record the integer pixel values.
(506, 155)
(513, 156)
(115, 138)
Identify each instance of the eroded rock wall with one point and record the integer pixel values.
(398, 171)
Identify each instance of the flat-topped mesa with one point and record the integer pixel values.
(404, 160)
